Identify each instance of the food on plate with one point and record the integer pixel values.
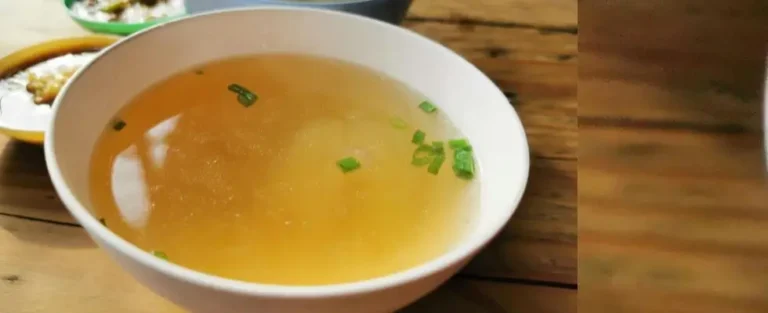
(27, 95)
(126, 11)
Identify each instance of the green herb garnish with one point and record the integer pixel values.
(437, 162)
(438, 146)
(398, 123)
(427, 106)
(237, 88)
(348, 164)
(418, 137)
(246, 99)
(422, 155)
(118, 125)
(459, 144)
(244, 96)
(160, 254)
(463, 164)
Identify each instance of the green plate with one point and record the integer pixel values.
(113, 27)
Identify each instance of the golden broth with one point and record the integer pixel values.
(255, 194)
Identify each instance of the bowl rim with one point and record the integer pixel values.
(34, 54)
(429, 268)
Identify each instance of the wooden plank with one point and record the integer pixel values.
(689, 61)
(671, 221)
(519, 60)
(699, 215)
(42, 262)
(630, 275)
(681, 152)
(671, 91)
(668, 194)
(672, 177)
(545, 14)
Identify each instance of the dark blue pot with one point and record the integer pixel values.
(392, 11)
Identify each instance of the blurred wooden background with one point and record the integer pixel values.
(528, 47)
(673, 192)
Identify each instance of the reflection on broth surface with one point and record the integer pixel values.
(248, 186)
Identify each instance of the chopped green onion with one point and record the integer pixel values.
(427, 106)
(348, 164)
(398, 123)
(422, 155)
(246, 99)
(244, 96)
(160, 254)
(460, 144)
(418, 137)
(463, 164)
(103, 221)
(118, 124)
(437, 146)
(437, 162)
(237, 88)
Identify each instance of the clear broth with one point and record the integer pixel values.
(254, 193)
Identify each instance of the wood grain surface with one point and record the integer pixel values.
(673, 191)
(49, 274)
(529, 48)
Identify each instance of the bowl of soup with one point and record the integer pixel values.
(286, 160)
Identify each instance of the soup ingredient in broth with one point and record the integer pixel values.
(428, 107)
(348, 164)
(463, 163)
(244, 96)
(160, 254)
(418, 136)
(398, 123)
(308, 185)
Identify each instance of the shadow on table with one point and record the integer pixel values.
(25, 184)
(475, 296)
(26, 193)
(457, 296)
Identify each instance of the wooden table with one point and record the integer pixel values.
(528, 47)
(673, 191)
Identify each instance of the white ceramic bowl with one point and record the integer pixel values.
(468, 97)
